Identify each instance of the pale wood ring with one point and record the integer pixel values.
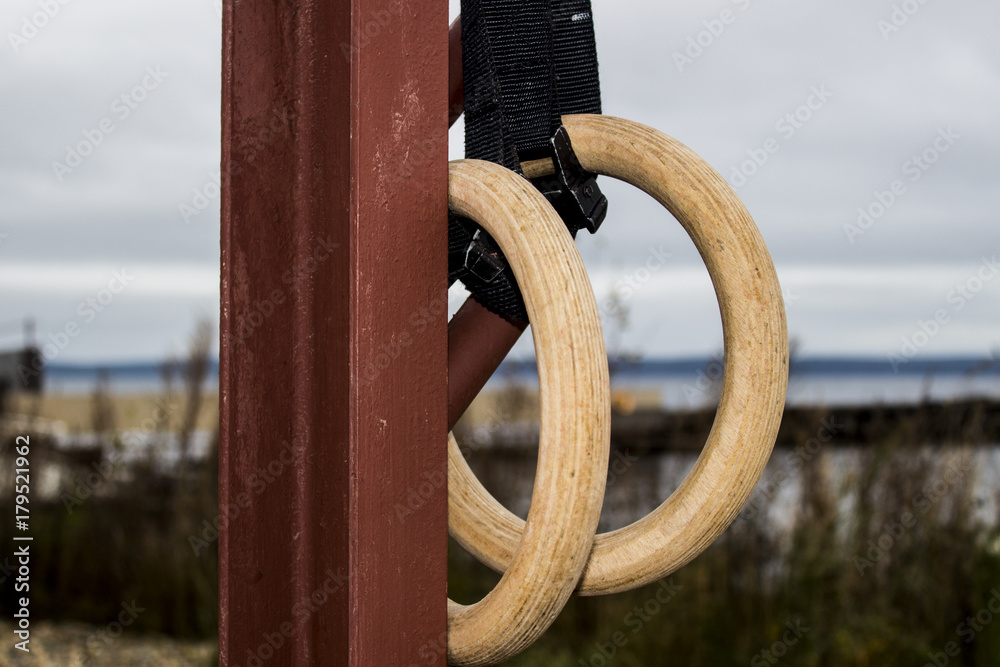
(550, 552)
(754, 380)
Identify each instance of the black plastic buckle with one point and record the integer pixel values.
(572, 191)
(482, 257)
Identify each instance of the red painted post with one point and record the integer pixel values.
(333, 502)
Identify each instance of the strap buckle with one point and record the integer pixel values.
(572, 191)
(482, 257)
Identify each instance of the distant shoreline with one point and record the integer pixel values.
(814, 365)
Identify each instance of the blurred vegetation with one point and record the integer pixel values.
(886, 566)
(884, 556)
(116, 527)
(881, 564)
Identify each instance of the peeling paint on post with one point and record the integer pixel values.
(334, 233)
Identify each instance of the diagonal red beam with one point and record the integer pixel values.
(478, 341)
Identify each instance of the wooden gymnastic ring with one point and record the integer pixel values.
(546, 564)
(753, 386)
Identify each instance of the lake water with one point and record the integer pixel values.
(691, 384)
(680, 383)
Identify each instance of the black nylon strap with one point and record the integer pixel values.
(526, 63)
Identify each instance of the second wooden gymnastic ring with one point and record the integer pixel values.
(754, 379)
(546, 563)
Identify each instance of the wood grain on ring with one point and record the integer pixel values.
(550, 552)
(754, 380)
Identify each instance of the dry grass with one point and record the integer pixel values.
(81, 645)
(74, 410)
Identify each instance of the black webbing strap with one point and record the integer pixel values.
(525, 63)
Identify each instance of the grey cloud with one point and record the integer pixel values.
(890, 96)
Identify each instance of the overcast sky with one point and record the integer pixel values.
(720, 76)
